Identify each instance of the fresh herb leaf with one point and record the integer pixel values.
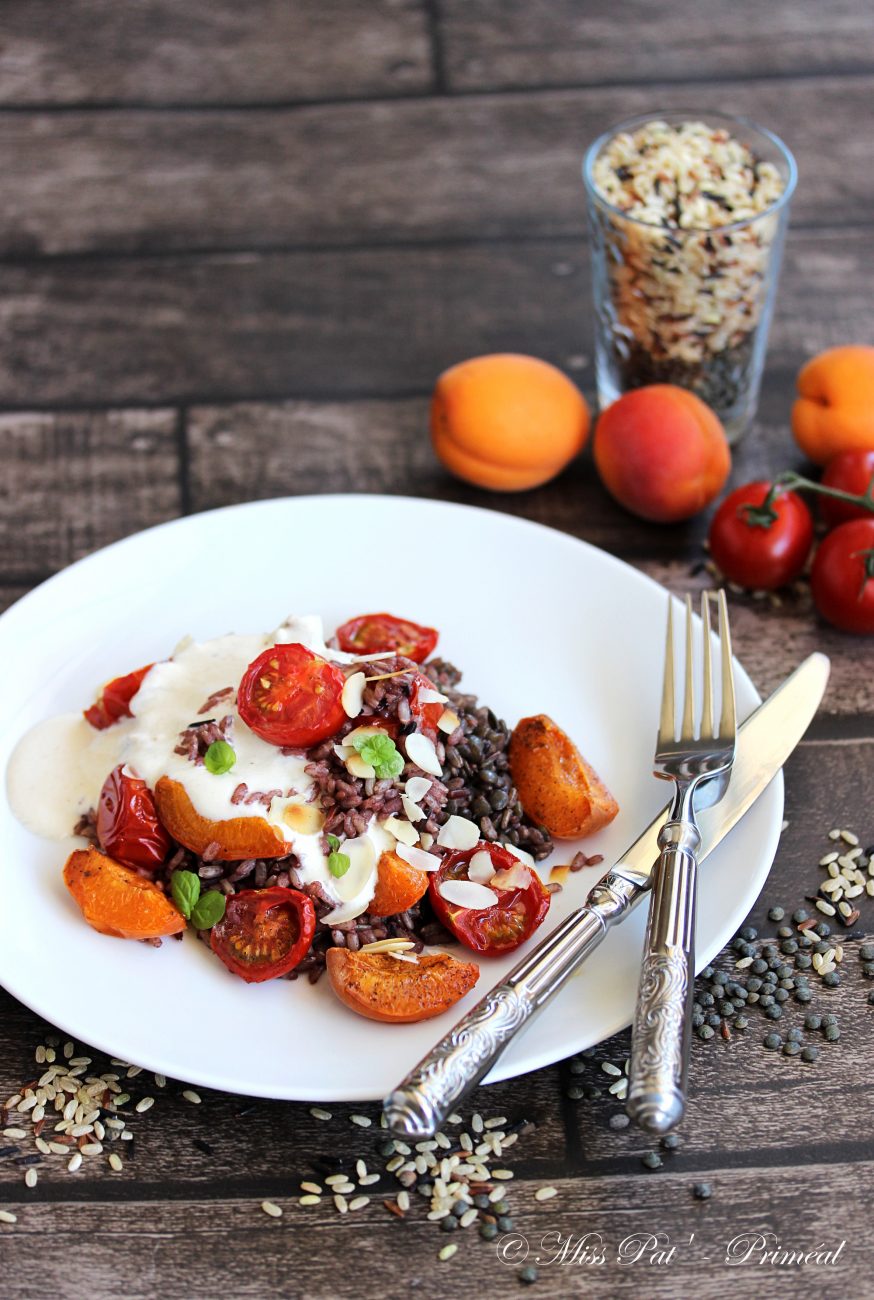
(185, 888)
(333, 842)
(219, 758)
(209, 910)
(381, 752)
(338, 863)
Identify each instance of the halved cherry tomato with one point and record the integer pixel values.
(427, 714)
(842, 577)
(115, 698)
(264, 933)
(371, 633)
(500, 928)
(127, 821)
(755, 555)
(851, 471)
(290, 696)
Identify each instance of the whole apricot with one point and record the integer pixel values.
(834, 410)
(507, 421)
(662, 453)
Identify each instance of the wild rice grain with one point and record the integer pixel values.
(272, 1209)
(314, 1188)
(74, 1163)
(115, 1163)
(403, 1201)
(190, 1095)
(361, 1120)
(359, 1202)
(545, 1193)
(342, 1205)
(447, 1252)
(6, 1216)
(310, 1199)
(146, 1103)
(318, 1113)
(31, 1178)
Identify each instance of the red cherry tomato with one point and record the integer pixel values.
(115, 698)
(494, 930)
(756, 556)
(127, 822)
(426, 713)
(264, 933)
(290, 696)
(851, 471)
(842, 578)
(371, 633)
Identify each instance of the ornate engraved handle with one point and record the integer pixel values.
(420, 1104)
(660, 1039)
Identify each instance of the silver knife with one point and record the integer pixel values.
(435, 1087)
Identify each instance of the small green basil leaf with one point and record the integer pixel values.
(185, 888)
(209, 910)
(333, 842)
(219, 758)
(339, 863)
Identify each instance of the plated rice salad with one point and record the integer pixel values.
(305, 805)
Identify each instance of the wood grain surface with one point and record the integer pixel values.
(237, 244)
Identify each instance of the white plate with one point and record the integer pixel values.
(538, 621)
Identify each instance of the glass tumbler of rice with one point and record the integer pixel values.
(687, 216)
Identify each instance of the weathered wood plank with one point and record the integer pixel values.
(77, 481)
(491, 44)
(493, 166)
(353, 323)
(200, 51)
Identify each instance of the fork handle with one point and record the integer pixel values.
(662, 1023)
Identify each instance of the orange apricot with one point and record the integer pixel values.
(238, 837)
(117, 901)
(834, 410)
(661, 452)
(507, 421)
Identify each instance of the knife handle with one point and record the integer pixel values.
(662, 1022)
(437, 1085)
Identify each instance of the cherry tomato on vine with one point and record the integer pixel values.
(372, 633)
(290, 696)
(264, 933)
(851, 471)
(500, 928)
(757, 554)
(842, 578)
(128, 828)
(114, 700)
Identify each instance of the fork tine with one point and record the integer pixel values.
(687, 732)
(707, 731)
(667, 722)
(728, 717)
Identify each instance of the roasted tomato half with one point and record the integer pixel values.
(115, 698)
(427, 713)
(369, 634)
(127, 821)
(500, 928)
(264, 933)
(290, 696)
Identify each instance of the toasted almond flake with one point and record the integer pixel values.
(545, 1193)
(448, 721)
(458, 833)
(516, 877)
(387, 945)
(353, 694)
(417, 787)
(421, 751)
(358, 766)
(405, 956)
(481, 868)
(418, 858)
(305, 818)
(272, 1209)
(468, 894)
(401, 830)
(558, 875)
(412, 811)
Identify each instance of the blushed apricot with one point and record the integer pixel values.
(834, 411)
(380, 987)
(557, 788)
(115, 900)
(662, 453)
(238, 837)
(507, 421)
(398, 885)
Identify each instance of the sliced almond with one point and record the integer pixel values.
(521, 854)
(420, 750)
(417, 787)
(448, 721)
(418, 858)
(426, 840)
(467, 894)
(305, 818)
(458, 833)
(357, 734)
(352, 697)
(516, 877)
(401, 830)
(356, 766)
(481, 868)
(427, 695)
(412, 811)
(343, 752)
(558, 875)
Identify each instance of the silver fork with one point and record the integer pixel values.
(699, 763)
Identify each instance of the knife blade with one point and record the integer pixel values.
(419, 1105)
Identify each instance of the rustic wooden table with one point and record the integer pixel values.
(238, 244)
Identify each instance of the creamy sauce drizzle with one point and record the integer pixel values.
(57, 769)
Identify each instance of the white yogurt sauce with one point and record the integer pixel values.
(58, 768)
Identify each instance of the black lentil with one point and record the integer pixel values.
(831, 979)
(871, 997)
(866, 952)
(619, 1120)
(791, 1049)
(800, 915)
(505, 1223)
(500, 1207)
(527, 1274)
(832, 1033)
(772, 1042)
(795, 1035)
(829, 1018)
(812, 1020)
(749, 933)
(651, 1160)
(574, 1092)
(702, 1191)
(741, 1022)
(776, 914)
(488, 1231)
(823, 929)
(705, 1032)
(803, 995)
(448, 1223)
(774, 1013)
(809, 1053)
(670, 1141)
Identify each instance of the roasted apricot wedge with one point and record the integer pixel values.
(116, 901)
(380, 987)
(237, 837)
(557, 788)
(398, 886)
